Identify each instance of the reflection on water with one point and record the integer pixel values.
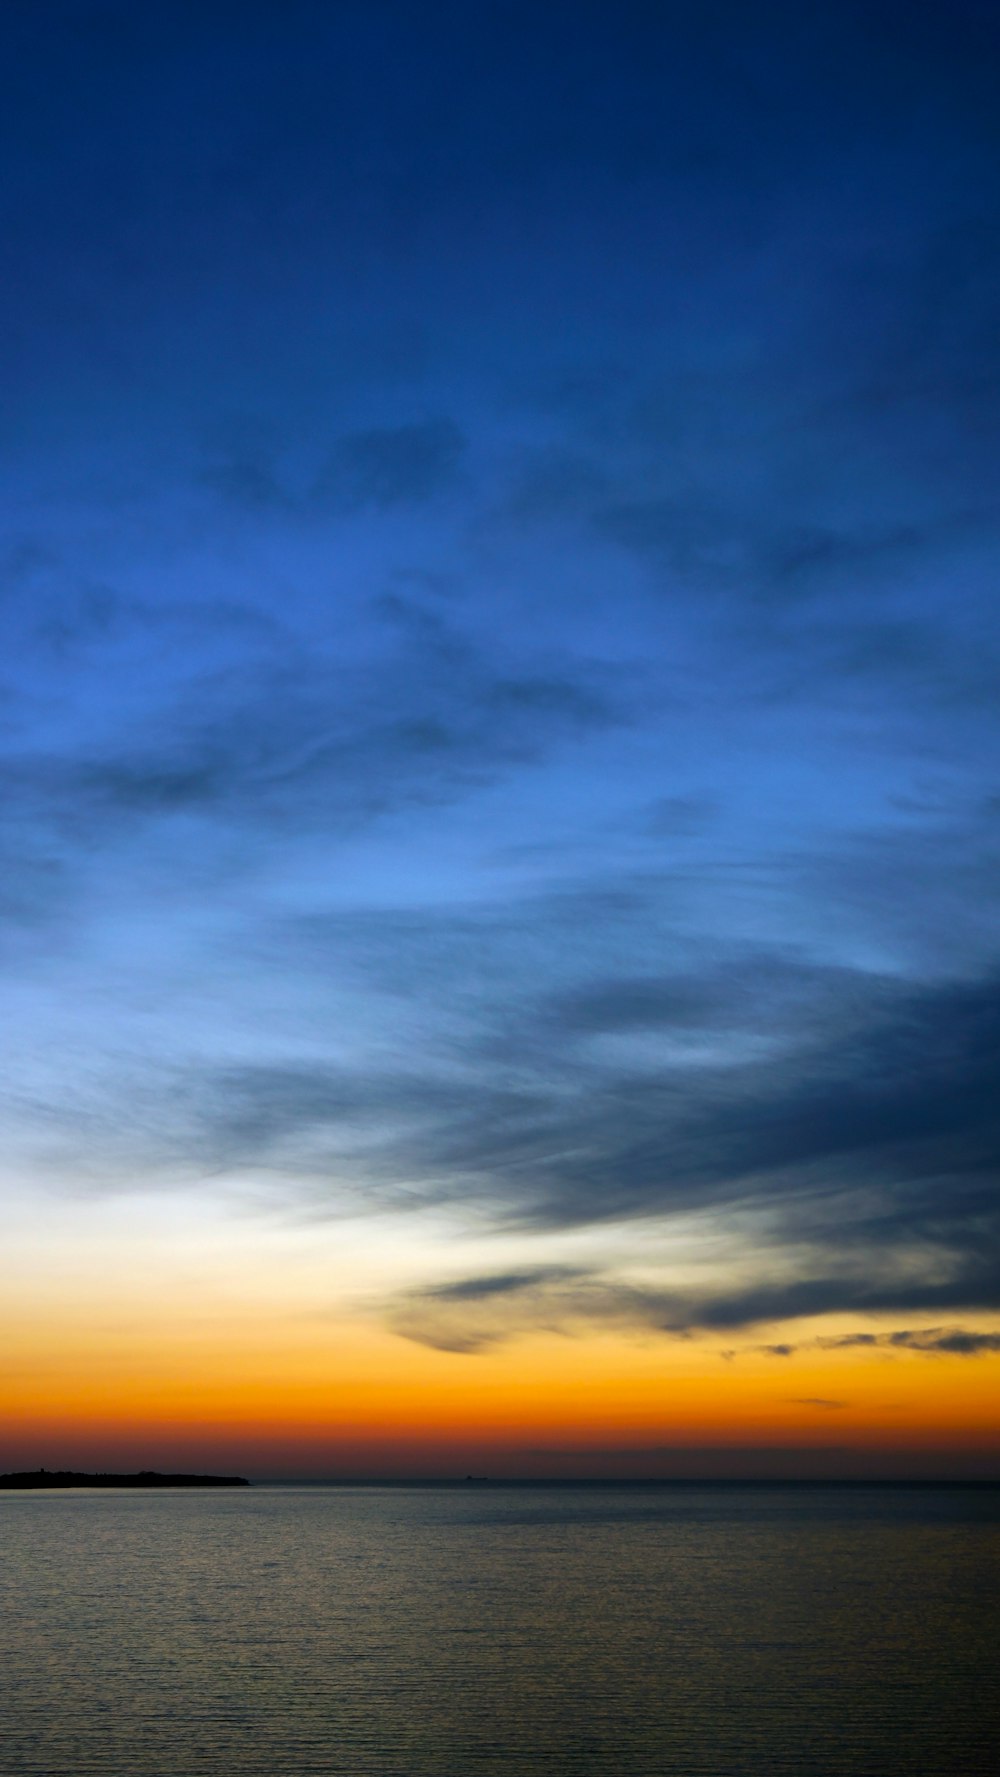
(433, 1632)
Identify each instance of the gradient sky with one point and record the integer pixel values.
(499, 722)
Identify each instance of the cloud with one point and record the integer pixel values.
(471, 1314)
(389, 466)
(925, 1341)
(864, 1165)
(816, 1401)
(878, 1113)
(760, 992)
(931, 1341)
(251, 480)
(845, 1123)
(367, 472)
(281, 739)
(474, 1313)
(504, 1283)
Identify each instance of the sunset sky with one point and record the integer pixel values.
(500, 737)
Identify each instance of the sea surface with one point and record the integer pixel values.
(433, 1632)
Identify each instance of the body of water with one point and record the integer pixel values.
(433, 1632)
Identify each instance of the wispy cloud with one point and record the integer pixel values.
(391, 466)
(473, 1313)
(924, 1341)
(932, 1341)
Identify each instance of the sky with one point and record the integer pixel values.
(499, 737)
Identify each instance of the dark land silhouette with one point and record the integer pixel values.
(41, 1477)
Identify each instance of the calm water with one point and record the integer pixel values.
(405, 1633)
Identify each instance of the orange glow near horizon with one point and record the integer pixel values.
(133, 1337)
(301, 1398)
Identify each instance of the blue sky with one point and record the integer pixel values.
(498, 715)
